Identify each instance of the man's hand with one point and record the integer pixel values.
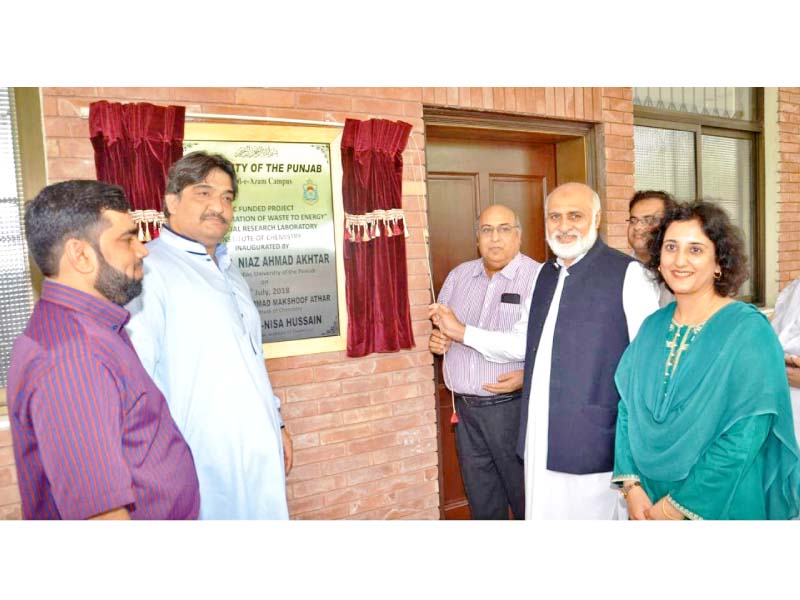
(792, 369)
(506, 383)
(438, 343)
(639, 504)
(288, 450)
(445, 319)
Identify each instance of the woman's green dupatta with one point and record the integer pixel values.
(733, 369)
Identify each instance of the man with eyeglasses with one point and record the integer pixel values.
(646, 209)
(488, 293)
(587, 304)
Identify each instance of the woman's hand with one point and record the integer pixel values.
(658, 510)
(638, 503)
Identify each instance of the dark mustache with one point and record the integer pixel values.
(209, 215)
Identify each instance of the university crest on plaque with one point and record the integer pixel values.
(310, 194)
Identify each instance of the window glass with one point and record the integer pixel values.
(16, 293)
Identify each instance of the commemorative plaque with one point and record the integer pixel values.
(283, 236)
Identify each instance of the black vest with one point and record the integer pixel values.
(591, 333)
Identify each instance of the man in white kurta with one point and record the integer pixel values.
(198, 334)
(571, 232)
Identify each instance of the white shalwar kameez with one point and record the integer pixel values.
(550, 494)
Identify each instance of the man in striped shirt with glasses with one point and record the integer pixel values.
(488, 293)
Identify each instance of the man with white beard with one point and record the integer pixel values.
(586, 307)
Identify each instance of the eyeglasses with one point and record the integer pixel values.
(503, 230)
(649, 220)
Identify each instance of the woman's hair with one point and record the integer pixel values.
(728, 242)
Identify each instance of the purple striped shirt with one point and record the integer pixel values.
(477, 300)
(91, 431)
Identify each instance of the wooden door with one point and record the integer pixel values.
(464, 177)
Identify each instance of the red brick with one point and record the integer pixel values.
(400, 392)
(622, 129)
(292, 377)
(487, 98)
(5, 437)
(71, 168)
(619, 141)
(316, 486)
(622, 154)
(74, 148)
(205, 94)
(11, 512)
(346, 463)
(343, 434)
(329, 513)
(464, 97)
(398, 423)
(421, 461)
(305, 440)
(399, 452)
(318, 454)
(363, 505)
(372, 473)
(424, 373)
(352, 368)
(71, 107)
(369, 413)
(315, 423)
(66, 127)
(619, 179)
(619, 166)
(9, 494)
(510, 94)
(372, 443)
(6, 456)
(304, 472)
(345, 402)
(377, 108)
(429, 487)
(428, 95)
(296, 410)
(414, 405)
(324, 101)
(8, 475)
(298, 506)
(312, 391)
(155, 95)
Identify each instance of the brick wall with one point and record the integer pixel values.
(788, 185)
(9, 491)
(364, 429)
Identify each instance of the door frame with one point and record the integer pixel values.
(513, 127)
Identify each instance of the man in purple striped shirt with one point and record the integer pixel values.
(92, 434)
(489, 293)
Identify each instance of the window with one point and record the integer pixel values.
(704, 143)
(16, 292)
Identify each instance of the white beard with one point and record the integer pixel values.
(581, 245)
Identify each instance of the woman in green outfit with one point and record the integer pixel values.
(704, 429)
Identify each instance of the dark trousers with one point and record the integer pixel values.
(486, 439)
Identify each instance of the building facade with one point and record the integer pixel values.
(366, 430)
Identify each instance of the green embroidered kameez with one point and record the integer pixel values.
(705, 418)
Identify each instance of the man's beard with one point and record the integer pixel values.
(114, 285)
(581, 245)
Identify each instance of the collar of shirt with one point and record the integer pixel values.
(560, 260)
(105, 312)
(509, 271)
(176, 240)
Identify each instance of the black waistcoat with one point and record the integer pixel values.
(591, 333)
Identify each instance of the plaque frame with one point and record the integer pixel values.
(234, 132)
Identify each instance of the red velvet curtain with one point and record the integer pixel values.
(134, 147)
(379, 315)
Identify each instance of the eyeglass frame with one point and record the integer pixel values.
(490, 229)
(648, 220)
